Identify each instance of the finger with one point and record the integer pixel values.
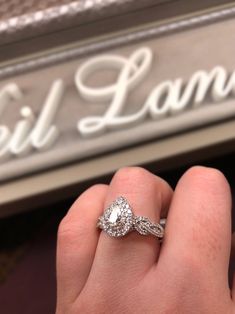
(77, 241)
(148, 195)
(198, 231)
(233, 266)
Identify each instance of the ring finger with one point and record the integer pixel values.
(148, 195)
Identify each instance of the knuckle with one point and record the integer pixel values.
(97, 188)
(64, 230)
(129, 173)
(206, 174)
(68, 231)
(87, 199)
(209, 180)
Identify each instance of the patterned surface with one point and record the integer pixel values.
(14, 8)
(22, 19)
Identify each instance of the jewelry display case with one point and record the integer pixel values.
(89, 86)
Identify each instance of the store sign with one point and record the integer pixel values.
(54, 113)
(170, 97)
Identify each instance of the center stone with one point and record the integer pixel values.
(115, 214)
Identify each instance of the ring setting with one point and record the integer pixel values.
(118, 220)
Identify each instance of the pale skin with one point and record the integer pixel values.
(188, 274)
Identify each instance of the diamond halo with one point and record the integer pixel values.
(118, 219)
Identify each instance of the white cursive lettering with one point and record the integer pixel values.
(30, 133)
(169, 97)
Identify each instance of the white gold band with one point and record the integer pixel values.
(118, 220)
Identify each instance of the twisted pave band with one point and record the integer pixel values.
(118, 220)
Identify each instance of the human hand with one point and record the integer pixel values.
(187, 274)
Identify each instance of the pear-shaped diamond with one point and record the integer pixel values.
(118, 218)
(115, 214)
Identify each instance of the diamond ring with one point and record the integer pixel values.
(118, 219)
